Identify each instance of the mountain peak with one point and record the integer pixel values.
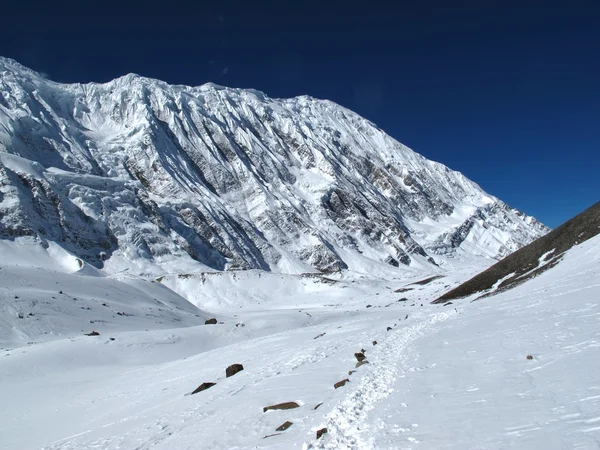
(144, 174)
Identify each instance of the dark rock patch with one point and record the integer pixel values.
(203, 387)
(271, 435)
(93, 333)
(212, 321)
(360, 356)
(428, 280)
(316, 407)
(321, 432)
(404, 289)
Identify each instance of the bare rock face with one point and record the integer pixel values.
(233, 369)
(284, 426)
(285, 405)
(203, 387)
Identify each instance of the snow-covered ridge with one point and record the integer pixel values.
(161, 178)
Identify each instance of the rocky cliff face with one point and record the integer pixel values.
(165, 177)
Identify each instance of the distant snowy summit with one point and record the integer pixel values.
(139, 174)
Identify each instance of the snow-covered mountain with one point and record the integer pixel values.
(157, 178)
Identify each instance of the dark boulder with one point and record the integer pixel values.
(212, 321)
(233, 369)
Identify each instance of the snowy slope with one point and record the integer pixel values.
(46, 293)
(451, 377)
(139, 174)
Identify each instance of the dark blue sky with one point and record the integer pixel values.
(507, 92)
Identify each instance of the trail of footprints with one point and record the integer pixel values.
(361, 359)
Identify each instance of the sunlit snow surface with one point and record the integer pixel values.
(454, 377)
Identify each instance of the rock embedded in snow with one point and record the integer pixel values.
(360, 356)
(341, 383)
(285, 405)
(284, 426)
(321, 432)
(203, 387)
(93, 333)
(212, 321)
(233, 369)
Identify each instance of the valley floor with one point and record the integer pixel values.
(443, 377)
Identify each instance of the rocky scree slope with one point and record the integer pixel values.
(531, 260)
(167, 178)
